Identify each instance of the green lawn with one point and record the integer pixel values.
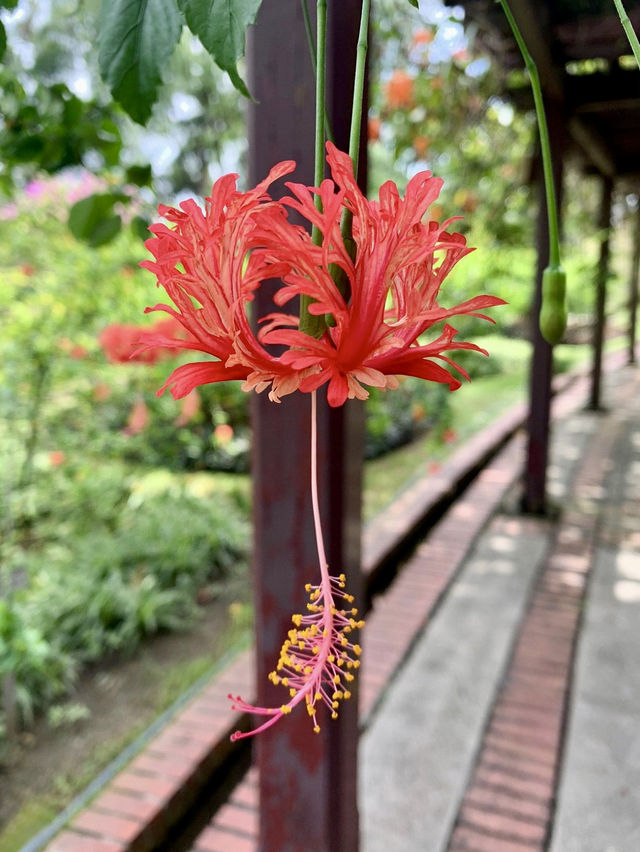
(474, 406)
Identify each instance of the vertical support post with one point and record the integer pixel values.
(541, 367)
(634, 280)
(602, 271)
(308, 782)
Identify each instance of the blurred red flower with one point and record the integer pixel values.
(373, 128)
(121, 343)
(189, 407)
(138, 418)
(399, 90)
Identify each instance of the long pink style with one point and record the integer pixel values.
(317, 657)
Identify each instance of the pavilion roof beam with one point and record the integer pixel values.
(593, 146)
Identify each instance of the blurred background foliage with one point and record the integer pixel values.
(121, 513)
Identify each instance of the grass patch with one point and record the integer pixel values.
(473, 407)
(30, 819)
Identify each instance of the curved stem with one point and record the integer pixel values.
(628, 28)
(545, 145)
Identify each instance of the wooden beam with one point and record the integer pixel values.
(633, 288)
(594, 147)
(599, 321)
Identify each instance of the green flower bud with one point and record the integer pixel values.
(553, 313)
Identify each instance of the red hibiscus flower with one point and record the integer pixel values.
(400, 264)
(210, 263)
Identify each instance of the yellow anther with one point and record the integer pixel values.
(297, 619)
(334, 715)
(348, 676)
(357, 650)
(340, 662)
(316, 649)
(301, 644)
(285, 709)
(356, 664)
(292, 692)
(308, 670)
(347, 694)
(335, 705)
(313, 629)
(337, 694)
(316, 730)
(311, 709)
(293, 635)
(307, 587)
(336, 678)
(317, 696)
(331, 658)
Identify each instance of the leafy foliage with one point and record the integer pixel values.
(50, 128)
(136, 39)
(221, 26)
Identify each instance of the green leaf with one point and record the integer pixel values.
(92, 219)
(136, 40)
(3, 40)
(140, 227)
(414, 3)
(221, 26)
(140, 175)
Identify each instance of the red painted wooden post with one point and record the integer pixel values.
(535, 478)
(307, 781)
(634, 280)
(599, 320)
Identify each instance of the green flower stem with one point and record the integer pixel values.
(626, 25)
(553, 312)
(314, 61)
(309, 323)
(552, 207)
(356, 113)
(358, 85)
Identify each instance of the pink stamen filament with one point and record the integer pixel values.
(317, 655)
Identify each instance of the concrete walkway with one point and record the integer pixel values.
(467, 747)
